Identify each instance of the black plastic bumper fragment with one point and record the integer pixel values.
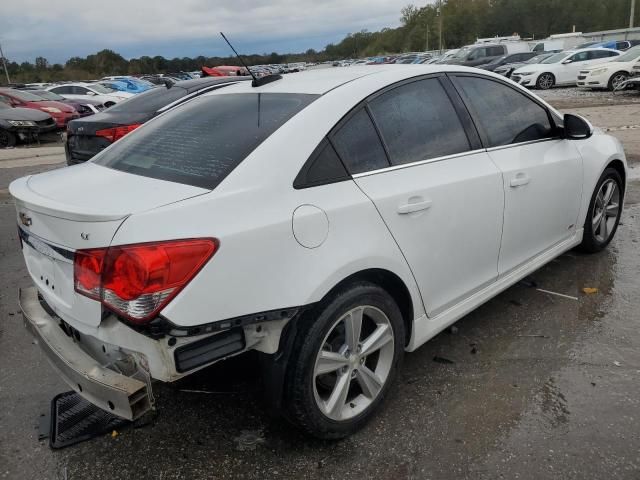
(207, 350)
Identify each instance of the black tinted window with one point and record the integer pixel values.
(79, 90)
(581, 57)
(201, 142)
(62, 90)
(359, 146)
(417, 121)
(324, 166)
(495, 51)
(505, 115)
(149, 101)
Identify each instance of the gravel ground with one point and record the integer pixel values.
(574, 97)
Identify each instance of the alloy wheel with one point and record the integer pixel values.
(5, 139)
(354, 363)
(546, 81)
(606, 210)
(617, 80)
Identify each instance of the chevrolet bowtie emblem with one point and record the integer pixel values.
(25, 219)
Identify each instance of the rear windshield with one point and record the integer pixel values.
(150, 101)
(201, 142)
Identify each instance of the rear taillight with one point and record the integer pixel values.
(113, 134)
(137, 281)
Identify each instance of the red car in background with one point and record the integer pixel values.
(61, 112)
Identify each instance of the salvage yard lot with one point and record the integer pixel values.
(531, 385)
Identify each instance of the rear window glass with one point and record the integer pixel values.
(149, 101)
(200, 143)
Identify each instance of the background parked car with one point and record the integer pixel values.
(480, 54)
(506, 59)
(22, 123)
(61, 112)
(561, 68)
(611, 74)
(621, 45)
(88, 136)
(83, 107)
(82, 90)
(507, 69)
(126, 84)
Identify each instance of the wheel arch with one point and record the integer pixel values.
(392, 284)
(619, 167)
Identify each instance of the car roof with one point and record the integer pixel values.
(321, 81)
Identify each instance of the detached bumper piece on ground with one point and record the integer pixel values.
(74, 420)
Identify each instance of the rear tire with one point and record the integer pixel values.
(545, 81)
(7, 139)
(616, 79)
(604, 212)
(336, 380)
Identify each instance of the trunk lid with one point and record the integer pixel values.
(61, 211)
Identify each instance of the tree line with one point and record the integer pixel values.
(462, 22)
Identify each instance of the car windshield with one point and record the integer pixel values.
(24, 96)
(631, 55)
(557, 58)
(48, 95)
(538, 58)
(201, 142)
(96, 87)
(462, 53)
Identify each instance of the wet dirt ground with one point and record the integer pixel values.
(540, 386)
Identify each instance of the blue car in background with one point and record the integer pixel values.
(617, 44)
(127, 84)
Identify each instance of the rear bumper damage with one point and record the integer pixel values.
(120, 394)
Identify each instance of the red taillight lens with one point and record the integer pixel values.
(137, 281)
(113, 134)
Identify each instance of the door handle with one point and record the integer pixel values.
(414, 207)
(519, 180)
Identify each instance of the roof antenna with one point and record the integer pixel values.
(257, 82)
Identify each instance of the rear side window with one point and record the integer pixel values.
(64, 90)
(323, 167)
(358, 144)
(495, 51)
(149, 101)
(417, 121)
(201, 142)
(504, 115)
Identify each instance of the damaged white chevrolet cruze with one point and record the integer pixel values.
(330, 220)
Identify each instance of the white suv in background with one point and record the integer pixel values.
(81, 91)
(612, 74)
(561, 68)
(330, 220)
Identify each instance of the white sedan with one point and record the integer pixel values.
(330, 220)
(613, 74)
(95, 91)
(561, 68)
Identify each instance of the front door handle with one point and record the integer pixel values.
(414, 207)
(519, 180)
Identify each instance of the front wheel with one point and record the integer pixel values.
(7, 139)
(616, 80)
(344, 361)
(545, 81)
(604, 212)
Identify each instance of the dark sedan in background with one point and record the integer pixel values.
(505, 59)
(90, 135)
(22, 123)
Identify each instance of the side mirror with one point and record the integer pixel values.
(568, 60)
(576, 127)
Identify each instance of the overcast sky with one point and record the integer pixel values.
(60, 29)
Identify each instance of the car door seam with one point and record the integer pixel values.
(415, 280)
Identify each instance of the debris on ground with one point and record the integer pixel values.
(617, 364)
(114, 434)
(534, 335)
(590, 290)
(439, 359)
(249, 440)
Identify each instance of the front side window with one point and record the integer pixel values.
(201, 142)
(580, 57)
(358, 144)
(505, 115)
(495, 51)
(417, 122)
(65, 90)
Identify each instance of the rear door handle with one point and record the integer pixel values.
(414, 207)
(519, 180)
